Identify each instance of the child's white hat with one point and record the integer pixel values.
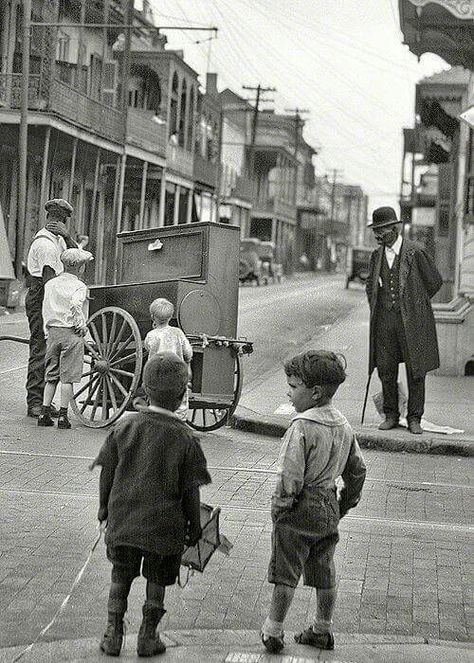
(75, 257)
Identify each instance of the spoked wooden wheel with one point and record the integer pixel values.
(112, 368)
(211, 417)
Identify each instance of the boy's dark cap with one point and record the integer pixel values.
(59, 206)
(165, 371)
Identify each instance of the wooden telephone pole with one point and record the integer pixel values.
(259, 91)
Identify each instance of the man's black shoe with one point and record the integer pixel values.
(45, 420)
(390, 422)
(34, 411)
(414, 427)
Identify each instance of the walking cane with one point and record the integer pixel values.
(366, 397)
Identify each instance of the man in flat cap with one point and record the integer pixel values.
(43, 263)
(401, 282)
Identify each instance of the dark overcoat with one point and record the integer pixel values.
(419, 280)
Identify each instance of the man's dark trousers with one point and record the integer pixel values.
(391, 349)
(35, 377)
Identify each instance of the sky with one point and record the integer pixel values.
(343, 60)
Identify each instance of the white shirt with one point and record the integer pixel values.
(168, 339)
(391, 252)
(65, 302)
(45, 251)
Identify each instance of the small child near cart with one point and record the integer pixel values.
(64, 318)
(318, 447)
(164, 338)
(152, 470)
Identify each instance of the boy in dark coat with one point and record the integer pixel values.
(152, 468)
(402, 280)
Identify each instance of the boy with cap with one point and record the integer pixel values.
(64, 316)
(43, 264)
(152, 469)
(318, 447)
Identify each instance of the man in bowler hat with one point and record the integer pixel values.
(402, 280)
(43, 263)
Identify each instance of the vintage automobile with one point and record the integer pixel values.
(357, 264)
(250, 262)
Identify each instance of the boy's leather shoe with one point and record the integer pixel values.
(414, 427)
(272, 644)
(45, 420)
(149, 642)
(318, 640)
(112, 640)
(390, 422)
(63, 422)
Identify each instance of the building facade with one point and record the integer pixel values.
(126, 159)
(446, 28)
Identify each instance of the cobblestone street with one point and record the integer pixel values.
(403, 559)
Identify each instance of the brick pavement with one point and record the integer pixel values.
(403, 558)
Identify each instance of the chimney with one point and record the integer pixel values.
(211, 84)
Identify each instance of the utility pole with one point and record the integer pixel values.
(335, 172)
(259, 90)
(23, 138)
(299, 122)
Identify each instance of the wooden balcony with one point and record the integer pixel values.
(205, 172)
(65, 101)
(10, 91)
(86, 112)
(179, 160)
(144, 132)
(243, 189)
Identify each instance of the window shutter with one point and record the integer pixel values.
(109, 83)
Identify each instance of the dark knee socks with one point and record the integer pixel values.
(118, 596)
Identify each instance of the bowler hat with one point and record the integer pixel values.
(383, 216)
(59, 206)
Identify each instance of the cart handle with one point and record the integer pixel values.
(17, 339)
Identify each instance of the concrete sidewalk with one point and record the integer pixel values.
(264, 407)
(231, 646)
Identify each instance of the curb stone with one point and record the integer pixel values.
(367, 439)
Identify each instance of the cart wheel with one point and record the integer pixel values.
(112, 368)
(207, 419)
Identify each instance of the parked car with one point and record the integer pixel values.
(250, 263)
(357, 264)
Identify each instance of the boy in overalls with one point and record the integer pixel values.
(318, 447)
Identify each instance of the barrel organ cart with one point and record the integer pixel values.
(196, 267)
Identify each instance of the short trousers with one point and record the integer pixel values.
(64, 359)
(127, 562)
(304, 541)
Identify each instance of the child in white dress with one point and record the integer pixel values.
(164, 338)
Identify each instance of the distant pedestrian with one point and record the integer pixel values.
(65, 318)
(402, 279)
(164, 338)
(152, 469)
(43, 263)
(318, 447)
